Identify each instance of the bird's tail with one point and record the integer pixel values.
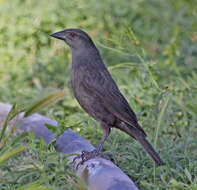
(141, 138)
(149, 149)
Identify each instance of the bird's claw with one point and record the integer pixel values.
(88, 155)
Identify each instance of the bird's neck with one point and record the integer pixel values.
(84, 56)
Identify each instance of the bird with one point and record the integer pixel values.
(98, 94)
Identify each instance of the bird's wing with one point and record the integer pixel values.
(99, 83)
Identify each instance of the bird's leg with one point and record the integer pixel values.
(106, 132)
(86, 155)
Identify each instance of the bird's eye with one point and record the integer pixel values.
(73, 35)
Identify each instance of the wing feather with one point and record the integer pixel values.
(101, 85)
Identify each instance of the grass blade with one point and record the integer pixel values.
(8, 118)
(160, 119)
(15, 110)
(33, 186)
(10, 153)
(44, 102)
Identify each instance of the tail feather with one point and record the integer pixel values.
(149, 149)
(141, 138)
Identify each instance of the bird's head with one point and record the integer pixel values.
(74, 37)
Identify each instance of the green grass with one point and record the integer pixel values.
(150, 48)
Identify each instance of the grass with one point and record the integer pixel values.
(150, 49)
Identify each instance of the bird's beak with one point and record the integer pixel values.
(59, 35)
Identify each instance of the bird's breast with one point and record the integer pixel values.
(77, 77)
(75, 80)
(84, 98)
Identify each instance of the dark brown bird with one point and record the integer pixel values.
(98, 94)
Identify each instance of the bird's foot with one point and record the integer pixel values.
(88, 155)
